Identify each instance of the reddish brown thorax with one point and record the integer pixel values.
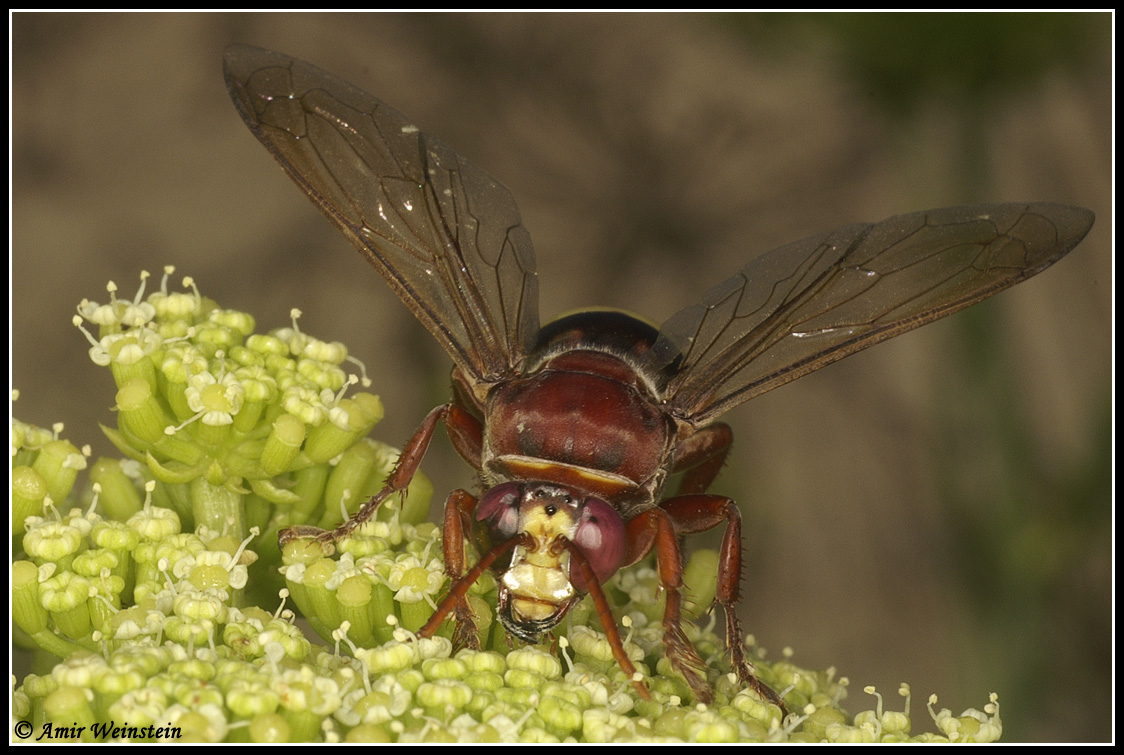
(583, 421)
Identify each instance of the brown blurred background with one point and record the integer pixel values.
(936, 510)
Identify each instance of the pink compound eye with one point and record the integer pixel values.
(499, 509)
(601, 536)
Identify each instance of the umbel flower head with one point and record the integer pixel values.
(246, 428)
(141, 585)
(166, 653)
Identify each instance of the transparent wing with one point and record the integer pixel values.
(808, 304)
(445, 235)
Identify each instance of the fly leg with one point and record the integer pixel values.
(458, 592)
(605, 614)
(691, 514)
(466, 434)
(399, 478)
(654, 529)
(700, 457)
(459, 508)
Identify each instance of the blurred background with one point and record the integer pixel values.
(936, 510)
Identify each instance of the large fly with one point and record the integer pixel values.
(574, 427)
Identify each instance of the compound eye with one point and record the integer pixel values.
(601, 536)
(499, 510)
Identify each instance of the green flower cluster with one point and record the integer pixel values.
(386, 575)
(238, 429)
(141, 600)
(380, 584)
(156, 647)
(144, 614)
(90, 583)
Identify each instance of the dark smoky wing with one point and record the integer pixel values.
(807, 304)
(445, 235)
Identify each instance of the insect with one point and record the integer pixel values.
(575, 426)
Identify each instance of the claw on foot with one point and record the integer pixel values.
(304, 531)
(465, 633)
(743, 668)
(685, 659)
(329, 538)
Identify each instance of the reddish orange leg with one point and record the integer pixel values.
(456, 527)
(700, 457)
(654, 529)
(465, 432)
(605, 614)
(459, 589)
(691, 514)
